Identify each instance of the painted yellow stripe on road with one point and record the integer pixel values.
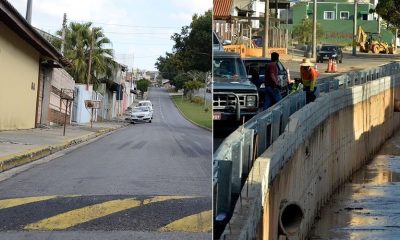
(82, 215)
(164, 198)
(8, 203)
(200, 222)
(86, 214)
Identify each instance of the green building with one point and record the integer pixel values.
(336, 20)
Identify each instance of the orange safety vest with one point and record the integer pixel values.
(309, 78)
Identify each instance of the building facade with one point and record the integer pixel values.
(23, 52)
(336, 20)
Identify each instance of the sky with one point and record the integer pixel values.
(139, 30)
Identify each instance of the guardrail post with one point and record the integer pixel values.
(301, 99)
(236, 156)
(276, 121)
(247, 142)
(224, 186)
(285, 115)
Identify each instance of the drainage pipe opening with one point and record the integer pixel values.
(290, 219)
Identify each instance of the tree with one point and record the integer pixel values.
(143, 85)
(192, 49)
(303, 31)
(191, 86)
(180, 80)
(169, 66)
(389, 11)
(80, 40)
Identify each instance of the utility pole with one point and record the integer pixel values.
(90, 58)
(314, 40)
(395, 40)
(64, 27)
(266, 29)
(29, 12)
(276, 13)
(355, 28)
(379, 25)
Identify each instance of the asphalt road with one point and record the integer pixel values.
(350, 63)
(146, 181)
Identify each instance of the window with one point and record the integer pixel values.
(344, 15)
(329, 15)
(364, 16)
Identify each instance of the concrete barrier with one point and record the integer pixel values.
(321, 146)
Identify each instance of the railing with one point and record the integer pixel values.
(234, 158)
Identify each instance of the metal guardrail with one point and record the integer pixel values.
(234, 158)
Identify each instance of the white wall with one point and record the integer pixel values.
(81, 114)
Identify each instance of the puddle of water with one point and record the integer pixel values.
(368, 205)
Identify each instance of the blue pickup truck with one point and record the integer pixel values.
(234, 96)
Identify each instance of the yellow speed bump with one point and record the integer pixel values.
(200, 222)
(81, 215)
(8, 203)
(86, 214)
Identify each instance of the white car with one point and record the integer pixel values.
(146, 103)
(141, 114)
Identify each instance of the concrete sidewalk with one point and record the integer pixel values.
(18, 147)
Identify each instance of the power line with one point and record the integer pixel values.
(143, 44)
(140, 33)
(130, 26)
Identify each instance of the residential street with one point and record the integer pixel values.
(145, 181)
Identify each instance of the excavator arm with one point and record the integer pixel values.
(362, 39)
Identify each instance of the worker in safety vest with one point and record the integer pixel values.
(309, 77)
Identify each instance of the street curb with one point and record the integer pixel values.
(205, 128)
(24, 157)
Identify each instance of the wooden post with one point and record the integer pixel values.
(65, 116)
(91, 119)
(266, 29)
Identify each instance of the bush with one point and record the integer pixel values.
(198, 100)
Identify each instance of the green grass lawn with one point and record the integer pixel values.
(194, 112)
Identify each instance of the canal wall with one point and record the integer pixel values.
(322, 145)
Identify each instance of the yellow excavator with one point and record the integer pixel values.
(372, 42)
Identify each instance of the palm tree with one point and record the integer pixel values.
(80, 40)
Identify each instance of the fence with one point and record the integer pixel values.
(235, 156)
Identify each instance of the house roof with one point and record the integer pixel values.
(17, 23)
(222, 9)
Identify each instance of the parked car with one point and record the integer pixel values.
(146, 103)
(141, 114)
(256, 66)
(326, 52)
(234, 96)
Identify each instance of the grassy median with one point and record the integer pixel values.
(194, 111)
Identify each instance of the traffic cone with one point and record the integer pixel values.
(329, 67)
(334, 66)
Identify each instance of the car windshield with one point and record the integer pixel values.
(328, 48)
(229, 70)
(144, 104)
(141, 109)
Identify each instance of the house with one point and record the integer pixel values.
(24, 54)
(239, 22)
(336, 19)
(222, 19)
(55, 93)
